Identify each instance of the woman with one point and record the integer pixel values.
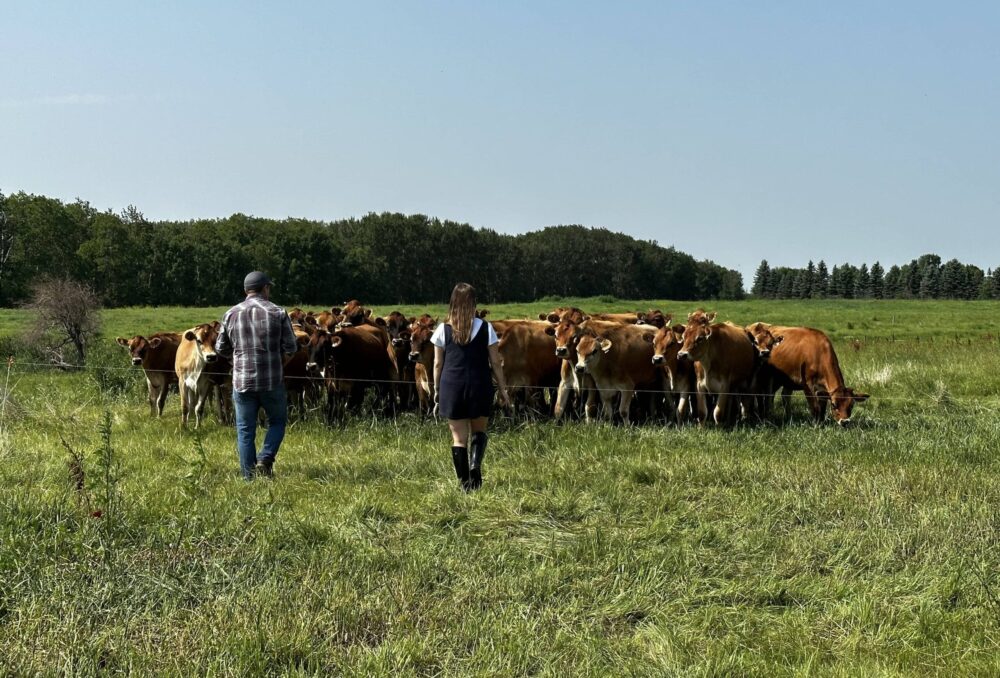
(465, 353)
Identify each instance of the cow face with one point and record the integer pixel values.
(589, 350)
(138, 346)
(763, 341)
(420, 340)
(696, 333)
(319, 350)
(353, 314)
(566, 333)
(842, 403)
(665, 340)
(204, 337)
(656, 318)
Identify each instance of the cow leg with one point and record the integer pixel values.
(183, 389)
(623, 406)
(786, 401)
(567, 384)
(161, 397)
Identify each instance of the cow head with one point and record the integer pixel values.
(204, 337)
(319, 349)
(420, 340)
(566, 333)
(589, 349)
(138, 346)
(842, 402)
(656, 318)
(665, 339)
(353, 314)
(759, 334)
(696, 333)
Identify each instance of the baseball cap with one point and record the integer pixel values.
(256, 280)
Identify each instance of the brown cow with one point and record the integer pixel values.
(566, 333)
(296, 377)
(620, 359)
(194, 356)
(679, 374)
(398, 327)
(354, 314)
(656, 318)
(805, 360)
(156, 356)
(529, 361)
(422, 358)
(351, 360)
(727, 362)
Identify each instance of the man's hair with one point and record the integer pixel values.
(461, 311)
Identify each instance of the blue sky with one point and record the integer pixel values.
(848, 131)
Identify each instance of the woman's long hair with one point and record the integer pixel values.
(461, 312)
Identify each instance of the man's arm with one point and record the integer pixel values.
(223, 343)
(288, 343)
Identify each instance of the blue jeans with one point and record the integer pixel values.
(247, 405)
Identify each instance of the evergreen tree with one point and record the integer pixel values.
(809, 280)
(863, 283)
(760, 280)
(822, 283)
(893, 286)
(877, 281)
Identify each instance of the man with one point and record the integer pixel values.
(256, 335)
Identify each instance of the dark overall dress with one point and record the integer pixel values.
(466, 388)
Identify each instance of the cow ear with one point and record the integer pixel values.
(822, 393)
(711, 316)
(606, 345)
(368, 313)
(155, 342)
(550, 330)
(380, 322)
(678, 329)
(551, 317)
(543, 316)
(485, 312)
(860, 397)
(335, 311)
(310, 320)
(336, 341)
(412, 319)
(189, 335)
(708, 332)
(405, 335)
(648, 337)
(667, 318)
(302, 340)
(121, 341)
(779, 339)
(585, 318)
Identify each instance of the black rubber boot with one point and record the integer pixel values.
(477, 450)
(460, 456)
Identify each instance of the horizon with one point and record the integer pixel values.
(848, 134)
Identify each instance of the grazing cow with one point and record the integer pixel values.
(530, 365)
(195, 354)
(679, 375)
(805, 360)
(349, 361)
(620, 360)
(422, 358)
(727, 362)
(156, 355)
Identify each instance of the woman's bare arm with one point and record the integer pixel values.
(438, 366)
(496, 364)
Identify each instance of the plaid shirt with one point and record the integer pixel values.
(254, 335)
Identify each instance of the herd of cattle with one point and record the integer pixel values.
(565, 363)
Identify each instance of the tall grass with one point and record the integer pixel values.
(591, 550)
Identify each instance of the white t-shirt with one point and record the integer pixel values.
(438, 337)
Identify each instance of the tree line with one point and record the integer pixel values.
(923, 278)
(387, 258)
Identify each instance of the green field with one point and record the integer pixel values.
(591, 550)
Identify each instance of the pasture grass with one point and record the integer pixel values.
(130, 545)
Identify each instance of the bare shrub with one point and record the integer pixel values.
(66, 318)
